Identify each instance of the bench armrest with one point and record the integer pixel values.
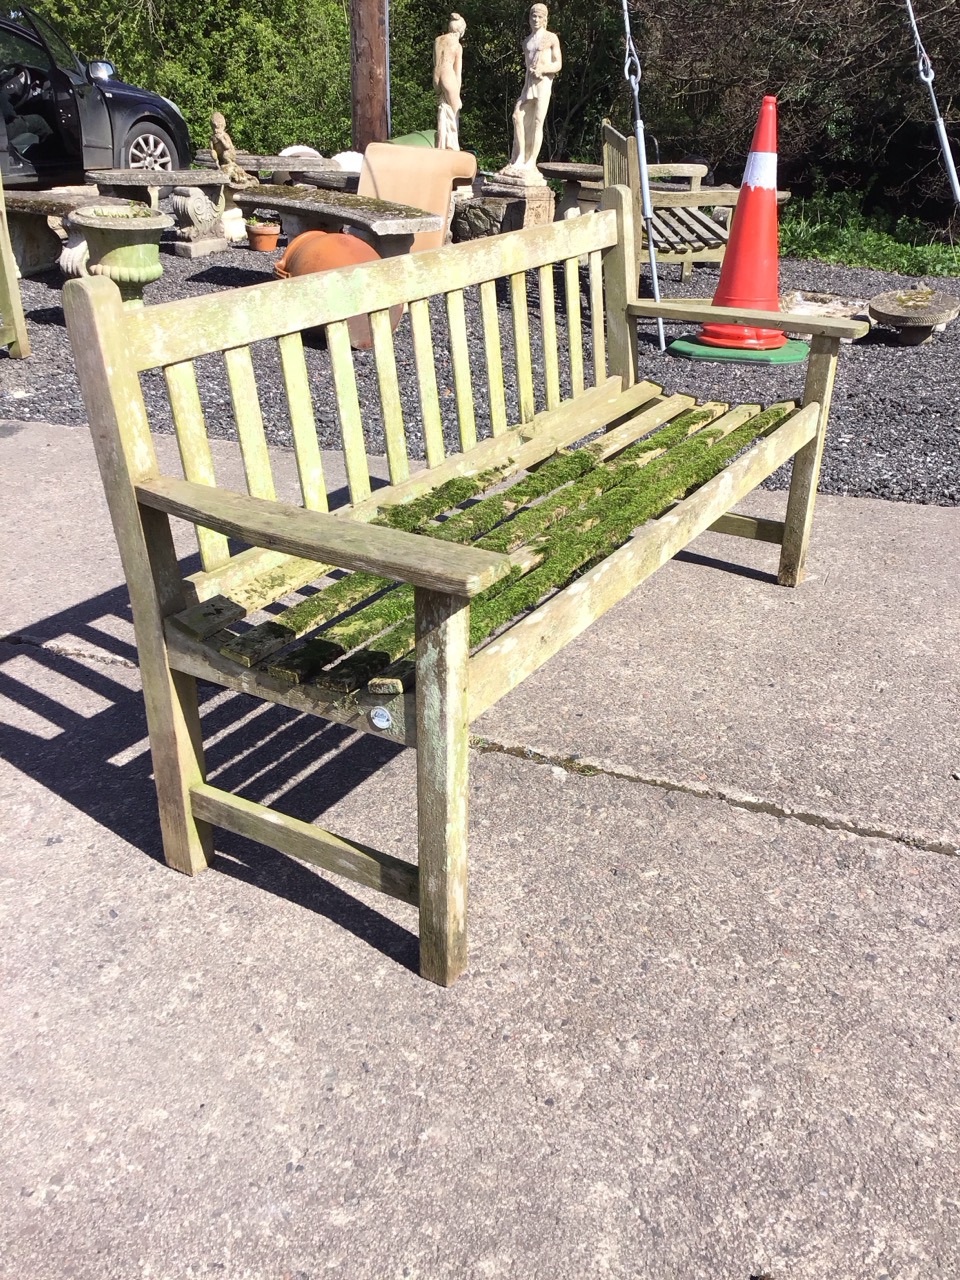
(821, 326)
(328, 539)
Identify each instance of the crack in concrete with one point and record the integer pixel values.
(67, 650)
(586, 769)
(736, 799)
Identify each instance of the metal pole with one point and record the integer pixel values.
(925, 69)
(632, 72)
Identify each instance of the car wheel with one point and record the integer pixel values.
(147, 146)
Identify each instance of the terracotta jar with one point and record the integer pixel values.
(323, 251)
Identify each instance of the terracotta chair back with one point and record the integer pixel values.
(418, 176)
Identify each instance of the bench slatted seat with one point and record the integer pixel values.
(427, 600)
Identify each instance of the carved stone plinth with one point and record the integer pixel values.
(536, 203)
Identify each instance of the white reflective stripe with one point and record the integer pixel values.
(761, 170)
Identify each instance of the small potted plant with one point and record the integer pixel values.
(262, 235)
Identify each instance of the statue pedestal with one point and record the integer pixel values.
(533, 204)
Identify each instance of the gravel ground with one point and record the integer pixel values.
(895, 426)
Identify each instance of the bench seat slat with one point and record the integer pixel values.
(504, 663)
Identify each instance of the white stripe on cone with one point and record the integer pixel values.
(761, 170)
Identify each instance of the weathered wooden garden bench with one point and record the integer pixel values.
(505, 549)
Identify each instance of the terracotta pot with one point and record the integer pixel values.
(323, 251)
(263, 236)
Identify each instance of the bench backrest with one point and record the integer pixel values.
(205, 351)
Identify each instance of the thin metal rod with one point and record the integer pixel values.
(927, 74)
(632, 72)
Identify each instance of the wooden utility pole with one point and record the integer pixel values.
(370, 71)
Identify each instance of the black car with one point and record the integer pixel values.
(61, 117)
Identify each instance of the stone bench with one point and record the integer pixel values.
(508, 545)
(33, 219)
(390, 228)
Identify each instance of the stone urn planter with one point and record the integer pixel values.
(914, 313)
(263, 236)
(123, 244)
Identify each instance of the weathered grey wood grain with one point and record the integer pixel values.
(798, 523)
(302, 840)
(348, 544)
(443, 641)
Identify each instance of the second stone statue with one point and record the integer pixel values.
(447, 79)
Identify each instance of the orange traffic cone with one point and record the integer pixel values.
(750, 276)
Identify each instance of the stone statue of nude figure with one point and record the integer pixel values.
(541, 54)
(447, 78)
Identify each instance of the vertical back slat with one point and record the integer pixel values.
(493, 356)
(427, 381)
(390, 401)
(195, 452)
(521, 339)
(462, 382)
(548, 324)
(348, 410)
(596, 318)
(302, 422)
(249, 420)
(571, 282)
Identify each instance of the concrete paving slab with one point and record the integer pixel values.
(692, 1041)
(839, 699)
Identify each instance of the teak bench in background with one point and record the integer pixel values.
(689, 225)
(540, 537)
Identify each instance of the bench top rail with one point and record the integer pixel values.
(183, 330)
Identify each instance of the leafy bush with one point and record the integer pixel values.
(835, 228)
(279, 70)
(852, 112)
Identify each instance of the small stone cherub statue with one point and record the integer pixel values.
(447, 79)
(225, 154)
(541, 54)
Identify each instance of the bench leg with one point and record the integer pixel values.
(821, 371)
(173, 717)
(443, 640)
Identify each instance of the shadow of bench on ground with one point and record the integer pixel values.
(100, 762)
